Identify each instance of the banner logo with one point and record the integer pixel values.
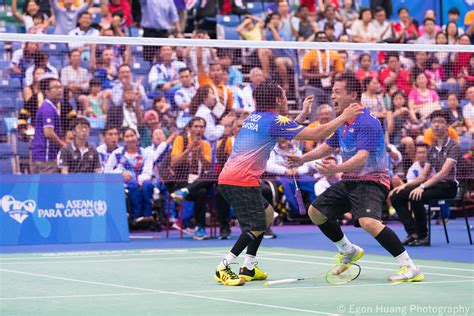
(17, 210)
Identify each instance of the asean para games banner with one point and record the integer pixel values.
(55, 208)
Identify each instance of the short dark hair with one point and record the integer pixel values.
(38, 15)
(454, 11)
(352, 84)
(364, 55)
(391, 54)
(118, 13)
(183, 70)
(421, 144)
(429, 19)
(265, 96)
(95, 82)
(452, 92)
(362, 11)
(80, 121)
(402, 9)
(84, 13)
(379, 9)
(72, 51)
(194, 119)
(45, 83)
(108, 128)
(440, 113)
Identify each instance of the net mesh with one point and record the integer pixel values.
(145, 95)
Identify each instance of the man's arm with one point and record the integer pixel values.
(51, 135)
(442, 174)
(323, 131)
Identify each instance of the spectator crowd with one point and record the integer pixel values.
(165, 118)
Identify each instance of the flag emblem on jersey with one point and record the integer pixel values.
(282, 120)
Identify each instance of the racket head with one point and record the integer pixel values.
(347, 276)
(299, 199)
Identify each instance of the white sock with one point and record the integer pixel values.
(404, 259)
(249, 262)
(344, 245)
(230, 258)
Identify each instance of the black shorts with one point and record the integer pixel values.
(249, 206)
(361, 198)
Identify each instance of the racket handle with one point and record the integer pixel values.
(284, 281)
(299, 199)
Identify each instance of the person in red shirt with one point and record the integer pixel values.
(405, 30)
(116, 5)
(394, 74)
(364, 71)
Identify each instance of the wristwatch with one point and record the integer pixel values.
(422, 186)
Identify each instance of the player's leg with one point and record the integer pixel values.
(367, 199)
(251, 217)
(329, 206)
(250, 271)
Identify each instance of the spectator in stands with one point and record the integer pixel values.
(33, 97)
(47, 140)
(129, 114)
(23, 58)
(110, 137)
(318, 116)
(452, 33)
(248, 103)
(453, 17)
(38, 24)
(329, 31)
(122, 53)
(225, 58)
(159, 149)
(289, 26)
(319, 68)
(306, 27)
(191, 158)
(372, 98)
(422, 100)
(84, 29)
(468, 109)
(190, 53)
(461, 59)
(165, 116)
(429, 34)
(330, 17)
(405, 30)
(79, 156)
(283, 58)
(40, 60)
(224, 95)
(187, 90)
(95, 104)
(74, 76)
(421, 157)
(363, 30)
(286, 176)
(429, 14)
(442, 157)
(158, 18)
(32, 8)
(348, 13)
(394, 74)
(467, 73)
(383, 28)
(202, 105)
(456, 119)
(109, 7)
(164, 76)
(66, 16)
(136, 168)
(125, 77)
(399, 123)
(365, 61)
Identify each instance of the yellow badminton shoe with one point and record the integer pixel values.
(407, 274)
(345, 260)
(227, 277)
(252, 275)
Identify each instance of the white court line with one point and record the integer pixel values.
(106, 260)
(75, 255)
(240, 290)
(328, 264)
(368, 261)
(168, 292)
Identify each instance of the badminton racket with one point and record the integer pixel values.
(299, 198)
(347, 276)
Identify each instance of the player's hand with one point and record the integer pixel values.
(416, 194)
(352, 111)
(307, 105)
(327, 167)
(294, 161)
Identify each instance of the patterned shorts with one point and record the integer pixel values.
(249, 206)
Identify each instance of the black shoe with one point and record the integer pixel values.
(420, 242)
(268, 234)
(410, 238)
(224, 233)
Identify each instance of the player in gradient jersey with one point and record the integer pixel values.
(239, 179)
(364, 186)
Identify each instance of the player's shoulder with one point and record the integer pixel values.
(367, 118)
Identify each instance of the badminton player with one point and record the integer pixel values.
(364, 186)
(239, 179)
